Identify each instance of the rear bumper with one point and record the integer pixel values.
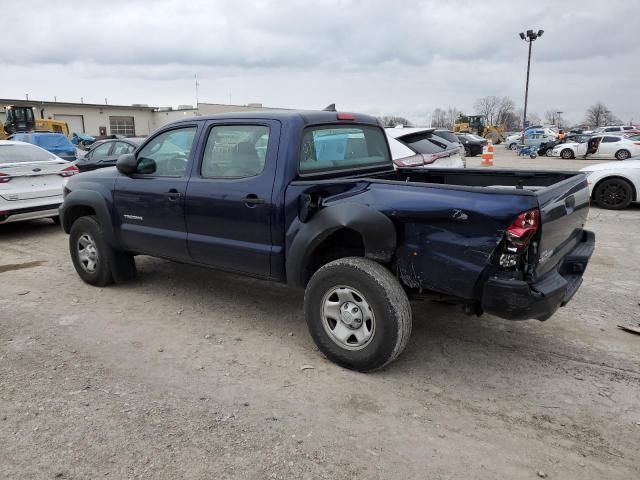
(30, 213)
(519, 300)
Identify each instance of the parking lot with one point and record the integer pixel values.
(191, 373)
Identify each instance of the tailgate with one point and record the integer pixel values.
(564, 207)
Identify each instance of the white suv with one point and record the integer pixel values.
(615, 128)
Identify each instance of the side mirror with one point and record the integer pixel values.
(127, 164)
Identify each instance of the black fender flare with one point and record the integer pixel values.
(377, 230)
(94, 200)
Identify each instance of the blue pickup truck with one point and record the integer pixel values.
(312, 199)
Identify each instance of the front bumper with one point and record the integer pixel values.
(519, 300)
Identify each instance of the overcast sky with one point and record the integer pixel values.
(377, 56)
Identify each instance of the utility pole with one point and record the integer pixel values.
(197, 85)
(529, 37)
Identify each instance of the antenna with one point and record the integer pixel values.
(330, 108)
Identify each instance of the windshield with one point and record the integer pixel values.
(335, 147)
(13, 153)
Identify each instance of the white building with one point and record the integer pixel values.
(129, 120)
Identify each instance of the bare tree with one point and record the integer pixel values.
(439, 118)
(504, 110)
(513, 121)
(554, 117)
(494, 109)
(488, 107)
(393, 120)
(533, 118)
(599, 115)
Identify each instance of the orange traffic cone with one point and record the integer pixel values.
(487, 155)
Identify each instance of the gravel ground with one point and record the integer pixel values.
(190, 373)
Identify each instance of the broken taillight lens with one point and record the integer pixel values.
(523, 228)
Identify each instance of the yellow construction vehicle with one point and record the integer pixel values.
(55, 126)
(23, 119)
(17, 119)
(477, 124)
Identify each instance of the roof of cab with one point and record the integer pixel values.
(306, 117)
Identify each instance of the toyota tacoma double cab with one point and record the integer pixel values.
(311, 199)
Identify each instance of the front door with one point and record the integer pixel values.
(150, 203)
(229, 209)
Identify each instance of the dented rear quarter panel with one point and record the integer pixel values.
(445, 235)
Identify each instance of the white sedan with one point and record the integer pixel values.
(31, 182)
(607, 146)
(614, 185)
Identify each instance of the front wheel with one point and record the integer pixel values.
(567, 154)
(358, 314)
(513, 146)
(96, 262)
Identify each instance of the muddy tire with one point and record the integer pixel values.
(358, 314)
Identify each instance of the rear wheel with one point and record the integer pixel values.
(614, 194)
(358, 313)
(623, 154)
(567, 154)
(513, 146)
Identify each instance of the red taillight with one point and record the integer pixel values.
(346, 116)
(636, 143)
(523, 228)
(69, 171)
(412, 161)
(4, 178)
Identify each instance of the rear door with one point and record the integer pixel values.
(608, 146)
(150, 203)
(229, 207)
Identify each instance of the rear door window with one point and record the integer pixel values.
(341, 147)
(610, 139)
(101, 151)
(235, 151)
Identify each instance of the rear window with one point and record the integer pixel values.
(12, 153)
(334, 147)
(449, 136)
(425, 143)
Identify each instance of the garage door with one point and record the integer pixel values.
(122, 126)
(75, 122)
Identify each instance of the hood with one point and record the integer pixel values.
(618, 165)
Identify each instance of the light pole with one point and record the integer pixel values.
(528, 37)
(558, 119)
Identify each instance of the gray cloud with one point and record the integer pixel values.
(378, 55)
